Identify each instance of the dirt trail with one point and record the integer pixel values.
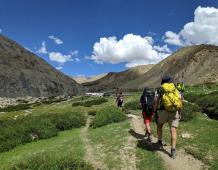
(183, 160)
(91, 154)
(95, 156)
(127, 154)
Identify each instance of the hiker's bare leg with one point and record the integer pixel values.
(173, 137)
(148, 128)
(159, 131)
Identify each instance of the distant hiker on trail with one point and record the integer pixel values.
(170, 102)
(119, 100)
(181, 87)
(146, 101)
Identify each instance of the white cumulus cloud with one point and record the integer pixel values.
(55, 39)
(59, 67)
(42, 49)
(60, 58)
(77, 59)
(74, 53)
(203, 30)
(132, 49)
(173, 38)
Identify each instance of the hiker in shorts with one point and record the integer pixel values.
(119, 100)
(166, 114)
(146, 102)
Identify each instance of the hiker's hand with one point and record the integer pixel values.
(180, 116)
(152, 115)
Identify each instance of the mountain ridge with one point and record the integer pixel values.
(22, 73)
(195, 64)
(117, 79)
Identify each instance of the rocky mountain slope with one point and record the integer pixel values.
(193, 64)
(22, 73)
(113, 80)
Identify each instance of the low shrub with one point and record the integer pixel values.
(192, 97)
(209, 103)
(15, 108)
(89, 103)
(189, 111)
(49, 161)
(81, 98)
(133, 105)
(77, 104)
(29, 128)
(92, 112)
(97, 101)
(68, 120)
(107, 115)
(21, 131)
(51, 100)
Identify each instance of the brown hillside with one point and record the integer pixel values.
(113, 80)
(198, 64)
(22, 73)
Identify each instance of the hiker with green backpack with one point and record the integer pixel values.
(169, 103)
(181, 87)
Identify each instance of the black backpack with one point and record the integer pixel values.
(147, 99)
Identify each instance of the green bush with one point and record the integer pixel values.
(189, 111)
(89, 103)
(29, 128)
(133, 105)
(51, 100)
(107, 115)
(97, 101)
(81, 98)
(21, 131)
(92, 112)
(77, 104)
(39, 128)
(68, 120)
(15, 108)
(209, 103)
(49, 161)
(192, 97)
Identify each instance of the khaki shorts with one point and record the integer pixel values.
(171, 117)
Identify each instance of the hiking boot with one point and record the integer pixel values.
(159, 144)
(149, 139)
(173, 153)
(146, 135)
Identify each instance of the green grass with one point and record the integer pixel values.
(203, 142)
(66, 149)
(28, 128)
(60, 151)
(111, 139)
(147, 159)
(107, 115)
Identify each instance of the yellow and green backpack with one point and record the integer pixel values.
(171, 97)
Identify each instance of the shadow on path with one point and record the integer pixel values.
(145, 145)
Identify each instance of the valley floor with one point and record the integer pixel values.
(113, 146)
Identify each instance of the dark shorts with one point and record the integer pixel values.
(120, 103)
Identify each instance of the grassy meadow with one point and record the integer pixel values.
(53, 135)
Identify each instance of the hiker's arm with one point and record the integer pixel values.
(155, 104)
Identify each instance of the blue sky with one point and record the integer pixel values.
(133, 32)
